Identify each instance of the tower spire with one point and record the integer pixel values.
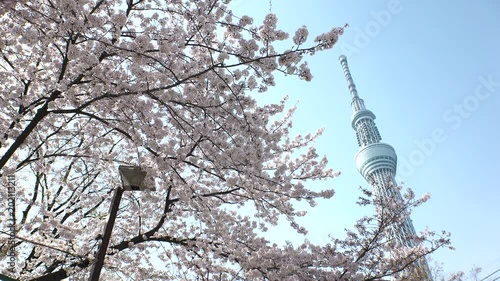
(362, 119)
(377, 161)
(357, 103)
(348, 77)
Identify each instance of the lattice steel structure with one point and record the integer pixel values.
(376, 161)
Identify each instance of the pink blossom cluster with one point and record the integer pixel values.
(89, 85)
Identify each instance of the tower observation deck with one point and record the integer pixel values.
(377, 161)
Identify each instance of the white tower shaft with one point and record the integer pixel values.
(377, 161)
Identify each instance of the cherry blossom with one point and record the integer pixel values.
(89, 85)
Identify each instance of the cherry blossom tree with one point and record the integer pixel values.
(472, 275)
(88, 85)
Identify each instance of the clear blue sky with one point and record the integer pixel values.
(421, 67)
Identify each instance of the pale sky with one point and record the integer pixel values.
(430, 71)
